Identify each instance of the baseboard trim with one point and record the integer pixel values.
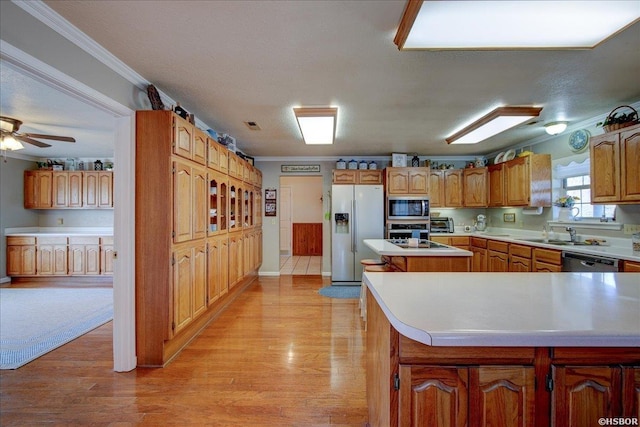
(269, 273)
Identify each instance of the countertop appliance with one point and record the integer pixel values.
(481, 222)
(441, 225)
(408, 207)
(357, 214)
(588, 263)
(403, 231)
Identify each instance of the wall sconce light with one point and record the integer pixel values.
(555, 127)
(497, 121)
(317, 125)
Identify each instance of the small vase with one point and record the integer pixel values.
(567, 214)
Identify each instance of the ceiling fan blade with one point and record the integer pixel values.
(28, 140)
(53, 137)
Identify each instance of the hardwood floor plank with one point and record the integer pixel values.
(281, 354)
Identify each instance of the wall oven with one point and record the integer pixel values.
(408, 208)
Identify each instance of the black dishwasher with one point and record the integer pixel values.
(576, 262)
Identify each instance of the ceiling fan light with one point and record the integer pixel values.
(10, 143)
(555, 127)
(317, 125)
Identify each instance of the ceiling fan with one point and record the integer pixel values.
(9, 129)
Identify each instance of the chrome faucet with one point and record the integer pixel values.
(572, 234)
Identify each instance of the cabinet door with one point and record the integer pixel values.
(97, 189)
(433, 396)
(496, 185)
(502, 396)
(223, 161)
(518, 182)
(106, 258)
(605, 168)
(436, 189)
(213, 155)
(498, 262)
(38, 187)
(105, 189)
(200, 188)
(479, 261)
(630, 166)
(223, 271)
(631, 392)
(51, 259)
(182, 202)
(199, 279)
(213, 271)
(344, 176)
(240, 255)
(397, 181)
(233, 260)
(453, 188)
(540, 266)
(92, 259)
(584, 394)
(370, 177)
(418, 181)
(519, 264)
(475, 187)
(182, 292)
(21, 260)
(60, 190)
(183, 135)
(76, 260)
(75, 189)
(200, 147)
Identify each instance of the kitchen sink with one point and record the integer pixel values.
(556, 242)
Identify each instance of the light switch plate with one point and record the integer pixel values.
(631, 228)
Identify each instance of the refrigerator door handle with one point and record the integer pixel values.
(354, 230)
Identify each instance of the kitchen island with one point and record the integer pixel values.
(529, 349)
(427, 257)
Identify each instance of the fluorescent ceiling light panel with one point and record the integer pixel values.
(512, 24)
(317, 125)
(497, 121)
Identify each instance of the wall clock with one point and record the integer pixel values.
(579, 140)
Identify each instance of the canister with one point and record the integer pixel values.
(635, 242)
(341, 164)
(362, 165)
(353, 164)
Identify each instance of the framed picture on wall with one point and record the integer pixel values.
(270, 201)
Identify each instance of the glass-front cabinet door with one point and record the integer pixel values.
(217, 203)
(233, 206)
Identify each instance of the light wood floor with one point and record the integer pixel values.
(280, 355)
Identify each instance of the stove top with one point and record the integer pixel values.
(422, 244)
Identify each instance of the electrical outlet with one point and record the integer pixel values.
(631, 228)
(60, 221)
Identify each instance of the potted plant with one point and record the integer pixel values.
(618, 120)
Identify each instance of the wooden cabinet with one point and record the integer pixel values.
(496, 185)
(189, 225)
(38, 189)
(407, 181)
(453, 188)
(527, 181)
(51, 256)
(84, 256)
(498, 256)
(97, 190)
(480, 260)
(67, 190)
(547, 260)
(631, 266)
(353, 176)
(475, 187)
(436, 188)
(106, 255)
(21, 256)
(615, 174)
(461, 242)
(519, 258)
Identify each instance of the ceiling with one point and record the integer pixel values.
(234, 61)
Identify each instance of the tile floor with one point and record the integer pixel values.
(303, 265)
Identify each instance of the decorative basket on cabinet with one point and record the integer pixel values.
(618, 119)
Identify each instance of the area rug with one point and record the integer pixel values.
(34, 321)
(344, 292)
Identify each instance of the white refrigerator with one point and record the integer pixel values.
(357, 213)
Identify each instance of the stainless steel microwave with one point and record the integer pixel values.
(408, 207)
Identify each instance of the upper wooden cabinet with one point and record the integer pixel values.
(527, 181)
(615, 157)
(68, 189)
(496, 185)
(353, 176)
(188, 141)
(475, 187)
(436, 188)
(407, 181)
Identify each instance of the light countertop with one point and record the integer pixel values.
(383, 247)
(512, 309)
(58, 231)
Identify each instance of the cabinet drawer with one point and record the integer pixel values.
(548, 256)
(84, 240)
(441, 239)
(459, 241)
(108, 240)
(478, 243)
(520, 250)
(495, 245)
(52, 240)
(13, 241)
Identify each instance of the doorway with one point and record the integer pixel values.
(301, 205)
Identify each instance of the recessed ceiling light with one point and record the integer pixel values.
(512, 24)
(497, 121)
(555, 128)
(317, 125)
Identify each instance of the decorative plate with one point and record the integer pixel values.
(579, 140)
(509, 155)
(499, 158)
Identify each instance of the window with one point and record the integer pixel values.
(580, 186)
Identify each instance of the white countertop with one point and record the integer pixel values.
(58, 231)
(383, 247)
(512, 309)
(615, 247)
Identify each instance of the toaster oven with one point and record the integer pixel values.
(441, 225)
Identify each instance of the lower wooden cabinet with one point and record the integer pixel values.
(480, 260)
(630, 266)
(547, 260)
(84, 256)
(21, 256)
(217, 268)
(189, 285)
(51, 256)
